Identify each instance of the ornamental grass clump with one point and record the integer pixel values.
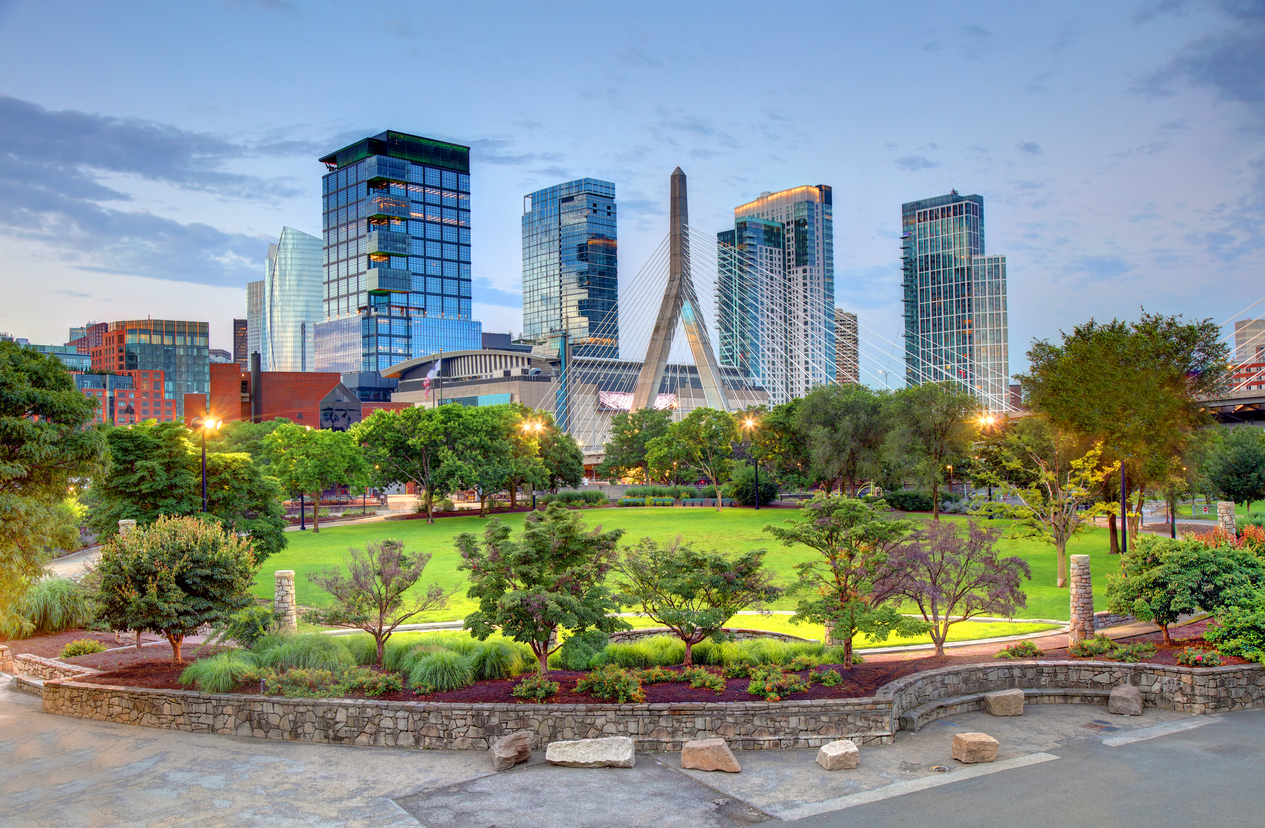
(51, 605)
(441, 670)
(495, 660)
(221, 672)
(313, 651)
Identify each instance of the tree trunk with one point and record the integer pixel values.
(935, 501)
(1113, 537)
(1060, 573)
(716, 491)
(430, 518)
(847, 653)
(1168, 642)
(514, 496)
(689, 652)
(938, 638)
(316, 513)
(177, 640)
(382, 646)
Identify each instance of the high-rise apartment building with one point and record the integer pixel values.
(847, 348)
(293, 288)
(176, 349)
(254, 320)
(570, 267)
(955, 299)
(128, 397)
(396, 254)
(241, 343)
(1249, 340)
(775, 293)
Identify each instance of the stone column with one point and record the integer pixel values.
(1225, 516)
(126, 526)
(6, 660)
(283, 604)
(1082, 595)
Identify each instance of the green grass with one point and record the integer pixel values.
(1240, 509)
(731, 530)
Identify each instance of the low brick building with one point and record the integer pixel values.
(319, 400)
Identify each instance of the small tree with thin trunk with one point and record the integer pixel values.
(952, 576)
(174, 576)
(703, 441)
(551, 577)
(371, 596)
(691, 592)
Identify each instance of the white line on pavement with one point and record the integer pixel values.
(1158, 730)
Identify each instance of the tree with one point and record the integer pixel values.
(174, 576)
(244, 436)
(1061, 498)
(858, 570)
(561, 455)
(780, 444)
(1162, 579)
(408, 446)
(245, 501)
(524, 429)
(309, 461)
(954, 576)
(692, 592)
(935, 427)
(47, 446)
(370, 596)
(1237, 468)
(703, 441)
(482, 453)
(743, 488)
(552, 576)
(628, 447)
(845, 428)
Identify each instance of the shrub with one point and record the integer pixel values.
(801, 662)
(701, 677)
(399, 656)
(311, 651)
(674, 492)
(838, 654)
(1020, 649)
(611, 682)
(51, 605)
(1240, 628)
(1195, 657)
(442, 670)
(908, 501)
(368, 682)
(632, 501)
(445, 505)
(578, 651)
(221, 672)
(84, 646)
(535, 688)
(1088, 647)
(583, 498)
(246, 626)
(660, 501)
(1133, 653)
(1102, 646)
(363, 649)
(301, 683)
(774, 684)
(657, 675)
(657, 651)
(495, 660)
(743, 487)
(827, 678)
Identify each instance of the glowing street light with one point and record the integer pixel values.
(205, 424)
(749, 425)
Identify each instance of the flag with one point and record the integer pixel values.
(430, 376)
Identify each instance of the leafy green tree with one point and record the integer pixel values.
(858, 572)
(309, 461)
(935, 425)
(703, 441)
(244, 436)
(173, 576)
(561, 455)
(1237, 469)
(692, 592)
(631, 433)
(408, 446)
(245, 501)
(370, 596)
(553, 576)
(743, 488)
(779, 442)
(524, 429)
(48, 445)
(845, 427)
(1162, 579)
(482, 453)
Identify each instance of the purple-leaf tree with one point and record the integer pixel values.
(953, 576)
(371, 596)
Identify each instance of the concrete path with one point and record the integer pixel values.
(1066, 766)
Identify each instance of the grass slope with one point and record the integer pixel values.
(731, 530)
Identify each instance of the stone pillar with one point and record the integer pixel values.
(1082, 594)
(6, 660)
(1225, 516)
(283, 604)
(126, 526)
(831, 641)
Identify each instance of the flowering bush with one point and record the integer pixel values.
(775, 684)
(1020, 649)
(611, 682)
(701, 677)
(84, 646)
(826, 678)
(1193, 657)
(534, 688)
(657, 675)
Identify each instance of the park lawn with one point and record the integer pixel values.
(1240, 509)
(731, 530)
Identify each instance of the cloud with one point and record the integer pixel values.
(1029, 148)
(914, 163)
(493, 151)
(74, 294)
(636, 56)
(485, 293)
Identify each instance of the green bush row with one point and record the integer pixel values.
(668, 651)
(593, 498)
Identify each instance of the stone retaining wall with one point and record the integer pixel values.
(627, 636)
(1111, 619)
(6, 660)
(745, 725)
(47, 668)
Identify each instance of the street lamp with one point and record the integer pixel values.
(205, 424)
(950, 468)
(747, 425)
(532, 428)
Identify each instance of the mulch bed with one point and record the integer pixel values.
(1189, 635)
(50, 646)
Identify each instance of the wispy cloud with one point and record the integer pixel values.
(1029, 147)
(915, 163)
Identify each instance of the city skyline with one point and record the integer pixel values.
(1118, 147)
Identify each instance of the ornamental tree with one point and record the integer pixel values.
(858, 572)
(703, 441)
(174, 576)
(371, 595)
(935, 424)
(553, 576)
(692, 592)
(952, 576)
(845, 427)
(407, 447)
(628, 448)
(309, 461)
(1237, 467)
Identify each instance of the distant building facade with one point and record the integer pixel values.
(129, 397)
(241, 343)
(177, 350)
(570, 266)
(69, 355)
(847, 348)
(1249, 340)
(956, 326)
(254, 320)
(292, 302)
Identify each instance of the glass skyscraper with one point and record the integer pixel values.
(570, 266)
(396, 254)
(254, 320)
(955, 299)
(293, 281)
(176, 349)
(775, 293)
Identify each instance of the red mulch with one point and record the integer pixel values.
(1189, 635)
(127, 657)
(50, 646)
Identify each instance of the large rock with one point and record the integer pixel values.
(1004, 703)
(611, 752)
(508, 751)
(709, 755)
(1125, 700)
(840, 755)
(969, 748)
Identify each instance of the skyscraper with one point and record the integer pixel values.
(570, 267)
(293, 286)
(1249, 340)
(397, 253)
(170, 354)
(775, 293)
(847, 356)
(241, 343)
(254, 320)
(955, 299)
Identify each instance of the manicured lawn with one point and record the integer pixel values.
(1240, 509)
(732, 530)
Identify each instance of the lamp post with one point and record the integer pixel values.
(950, 468)
(748, 425)
(205, 424)
(532, 428)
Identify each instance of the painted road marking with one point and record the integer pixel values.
(1158, 730)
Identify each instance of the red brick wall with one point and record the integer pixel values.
(296, 395)
(226, 392)
(367, 408)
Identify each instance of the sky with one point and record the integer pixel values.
(149, 152)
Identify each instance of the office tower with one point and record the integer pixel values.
(570, 268)
(254, 320)
(847, 355)
(128, 397)
(241, 352)
(397, 253)
(172, 355)
(293, 287)
(955, 299)
(775, 293)
(1249, 340)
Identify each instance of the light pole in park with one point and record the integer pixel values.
(532, 428)
(986, 422)
(749, 425)
(950, 468)
(205, 424)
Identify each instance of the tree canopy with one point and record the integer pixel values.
(1236, 468)
(309, 461)
(935, 425)
(703, 442)
(628, 447)
(845, 427)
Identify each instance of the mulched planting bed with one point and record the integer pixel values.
(112, 660)
(1188, 635)
(50, 646)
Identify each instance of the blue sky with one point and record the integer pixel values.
(149, 151)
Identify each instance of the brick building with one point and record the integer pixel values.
(177, 349)
(128, 397)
